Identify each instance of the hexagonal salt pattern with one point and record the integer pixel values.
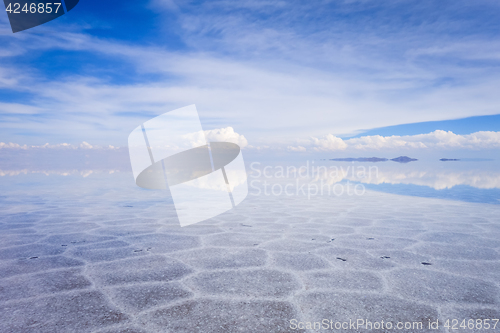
(117, 261)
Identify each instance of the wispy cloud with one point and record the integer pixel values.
(267, 70)
(60, 146)
(48, 172)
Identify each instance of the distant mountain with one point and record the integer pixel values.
(403, 159)
(449, 159)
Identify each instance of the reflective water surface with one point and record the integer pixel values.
(467, 180)
(86, 250)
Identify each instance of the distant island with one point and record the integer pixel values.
(400, 159)
(403, 159)
(449, 159)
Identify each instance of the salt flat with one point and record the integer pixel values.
(96, 258)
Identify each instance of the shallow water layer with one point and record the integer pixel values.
(99, 254)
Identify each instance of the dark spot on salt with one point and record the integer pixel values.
(341, 259)
(370, 238)
(33, 257)
(385, 257)
(426, 263)
(137, 250)
(64, 245)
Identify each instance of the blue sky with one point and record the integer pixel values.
(457, 126)
(278, 72)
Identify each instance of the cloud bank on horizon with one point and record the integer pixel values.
(274, 74)
(436, 140)
(440, 140)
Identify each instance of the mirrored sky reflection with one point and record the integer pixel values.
(472, 181)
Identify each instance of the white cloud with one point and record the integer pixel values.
(226, 135)
(329, 143)
(296, 149)
(435, 140)
(11, 145)
(216, 135)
